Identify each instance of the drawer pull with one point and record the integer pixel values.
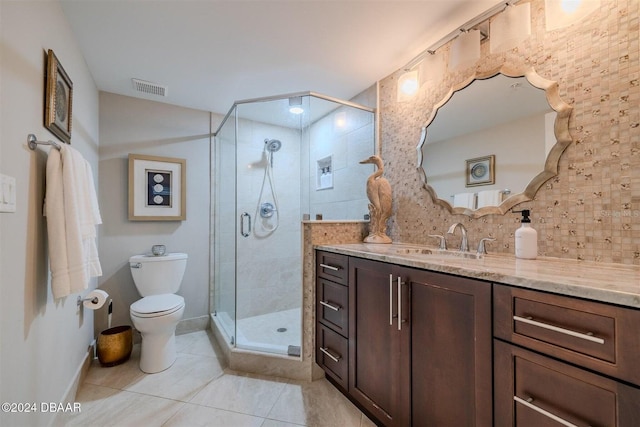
(330, 267)
(400, 283)
(331, 306)
(325, 350)
(539, 410)
(588, 336)
(391, 300)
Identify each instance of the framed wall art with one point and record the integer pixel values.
(58, 99)
(481, 171)
(157, 188)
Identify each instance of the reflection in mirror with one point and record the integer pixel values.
(493, 141)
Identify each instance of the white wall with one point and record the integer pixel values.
(131, 125)
(43, 342)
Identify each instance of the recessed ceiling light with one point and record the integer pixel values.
(295, 105)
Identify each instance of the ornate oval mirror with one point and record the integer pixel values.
(493, 141)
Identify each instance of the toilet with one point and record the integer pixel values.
(157, 314)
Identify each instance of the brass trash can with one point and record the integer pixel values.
(114, 345)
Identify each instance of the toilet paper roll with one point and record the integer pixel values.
(97, 295)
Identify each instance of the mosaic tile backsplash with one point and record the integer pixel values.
(591, 210)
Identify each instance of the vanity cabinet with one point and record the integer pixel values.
(540, 388)
(424, 348)
(451, 356)
(419, 345)
(378, 345)
(332, 316)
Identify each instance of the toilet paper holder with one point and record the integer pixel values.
(80, 300)
(93, 300)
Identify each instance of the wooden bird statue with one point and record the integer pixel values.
(379, 194)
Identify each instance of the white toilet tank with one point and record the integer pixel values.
(154, 275)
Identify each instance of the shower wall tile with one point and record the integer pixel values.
(268, 276)
(347, 145)
(591, 210)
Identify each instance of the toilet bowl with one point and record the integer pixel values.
(157, 314)
(156, 318)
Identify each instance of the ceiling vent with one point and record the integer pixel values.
(150, 88)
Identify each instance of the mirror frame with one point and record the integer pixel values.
(561, 130)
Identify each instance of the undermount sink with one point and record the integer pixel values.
(431, 253)
(406, 251)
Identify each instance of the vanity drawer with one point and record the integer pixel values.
(531, 389)
(334, 267)
(331, 354)
(333, 306)
(596, 335)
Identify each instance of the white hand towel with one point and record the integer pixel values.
(72, 214)
(54, 210)
(74, 211)
(464, 200)
(92, 218)
(489, 198)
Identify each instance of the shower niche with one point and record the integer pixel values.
(271, 157)
(324, 173)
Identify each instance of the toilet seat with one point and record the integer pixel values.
(157, 305)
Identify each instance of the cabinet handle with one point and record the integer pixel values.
(330, 267)
(539, 410)
(391, 300)
(587, 336)
(325, 350)
(331, 306)
(400, 303)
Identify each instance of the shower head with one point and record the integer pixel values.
(272, 145)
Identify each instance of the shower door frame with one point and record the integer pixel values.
(303, 134)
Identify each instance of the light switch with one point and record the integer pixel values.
(7, 193)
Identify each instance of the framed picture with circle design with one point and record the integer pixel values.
(157, 188)
(481, 171)
(58, 99)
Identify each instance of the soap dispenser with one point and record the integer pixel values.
(526, 238)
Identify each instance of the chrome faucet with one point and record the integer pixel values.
(482, 249)
(464, 244)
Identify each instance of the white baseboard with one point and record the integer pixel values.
(79, 376)
(192, 325)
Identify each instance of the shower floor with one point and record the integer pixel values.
(265, 332)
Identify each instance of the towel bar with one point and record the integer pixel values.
(33, 142)
(505, 191)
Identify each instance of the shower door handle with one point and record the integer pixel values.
(242, 217)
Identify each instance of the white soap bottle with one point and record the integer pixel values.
(526, 238)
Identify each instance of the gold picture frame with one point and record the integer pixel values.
(157, 188)
(58, 99)
(481, 171)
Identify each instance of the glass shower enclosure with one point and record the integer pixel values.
(277, 162)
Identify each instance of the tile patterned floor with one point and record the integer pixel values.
(198, 391)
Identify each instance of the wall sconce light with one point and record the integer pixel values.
(408, 85)
(510, 28)
(431, 68)
(562, 13)
(295, 105)
(465, 50)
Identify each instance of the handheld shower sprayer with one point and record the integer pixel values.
(271, 146)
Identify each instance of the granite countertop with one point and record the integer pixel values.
(612, 283)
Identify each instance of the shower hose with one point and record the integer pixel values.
(268, 177)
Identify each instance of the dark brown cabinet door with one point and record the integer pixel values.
(451, 356)
(533, 390)
(378, 350)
